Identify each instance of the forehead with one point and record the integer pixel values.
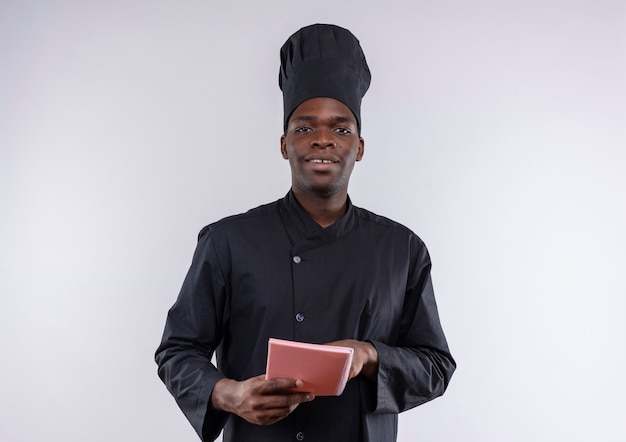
(323, 107)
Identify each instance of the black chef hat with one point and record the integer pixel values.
(323, 61)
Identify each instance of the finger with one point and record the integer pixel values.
(284, 402)
(289, 400)
(269, 417)
(278, 384)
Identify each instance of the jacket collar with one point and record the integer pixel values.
(306, 233)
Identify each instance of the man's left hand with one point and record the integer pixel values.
(364, 360)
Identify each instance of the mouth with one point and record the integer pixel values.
(321, 161)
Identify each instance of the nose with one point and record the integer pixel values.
(323, 139)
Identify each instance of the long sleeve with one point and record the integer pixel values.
(419, 366)
(192, 333)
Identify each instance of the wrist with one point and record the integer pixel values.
(221, 397)
(370, 367)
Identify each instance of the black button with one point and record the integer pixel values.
(300, 318)
(300, 436)
(297, 259)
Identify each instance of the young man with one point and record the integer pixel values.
(310, 267)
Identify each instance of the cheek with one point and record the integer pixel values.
(355, 155)
(288, 151)
(293, 164)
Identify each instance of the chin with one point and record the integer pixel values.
(321, 189)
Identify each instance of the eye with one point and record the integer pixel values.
(302, 129)
(343, 131)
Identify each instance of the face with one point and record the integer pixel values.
(322, 144)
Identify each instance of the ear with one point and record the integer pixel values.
(361, 149)
(283, 147)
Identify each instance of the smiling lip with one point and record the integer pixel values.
(321, 161)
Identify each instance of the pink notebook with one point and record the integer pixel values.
(324, 369)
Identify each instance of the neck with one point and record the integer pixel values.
(325, 211)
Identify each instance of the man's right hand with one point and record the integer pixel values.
(257, 400)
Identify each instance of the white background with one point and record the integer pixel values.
(494, 129)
